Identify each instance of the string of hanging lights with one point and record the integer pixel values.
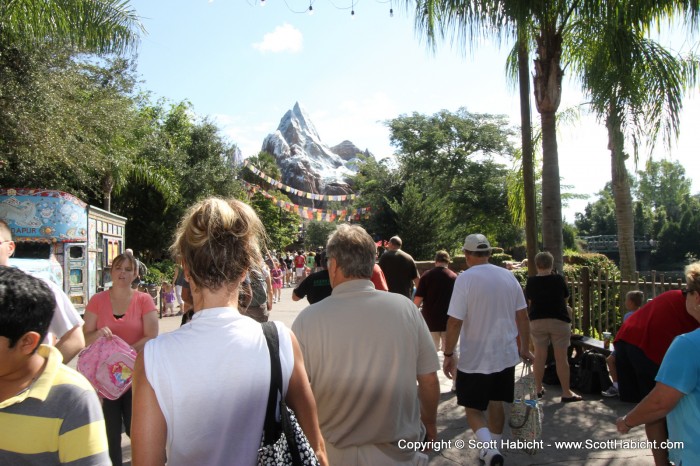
(310, 9)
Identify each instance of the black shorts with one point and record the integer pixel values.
(475, 390)
(636, 373)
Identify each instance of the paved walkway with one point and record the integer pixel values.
(590, 422)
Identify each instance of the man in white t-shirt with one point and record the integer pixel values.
(65, 332)
(488, 312)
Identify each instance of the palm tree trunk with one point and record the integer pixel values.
(547, 89)
(624, 212)
(528, 159)
(552, 236)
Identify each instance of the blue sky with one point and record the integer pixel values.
(244, 65)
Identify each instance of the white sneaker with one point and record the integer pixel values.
(610, 392)
(491, 457)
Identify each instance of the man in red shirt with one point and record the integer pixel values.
(640, 346)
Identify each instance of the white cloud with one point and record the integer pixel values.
(285, 38)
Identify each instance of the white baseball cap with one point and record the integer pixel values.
(476, 242)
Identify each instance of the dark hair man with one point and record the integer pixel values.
(53, 412)
(65, 330)
(399, 268)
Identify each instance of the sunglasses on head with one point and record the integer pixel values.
(686, 291)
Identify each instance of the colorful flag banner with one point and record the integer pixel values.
(289, 189)
(309, 213)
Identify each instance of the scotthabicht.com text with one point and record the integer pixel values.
(507, 444)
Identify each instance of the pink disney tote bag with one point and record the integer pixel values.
(109, 365)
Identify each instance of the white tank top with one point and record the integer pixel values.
(212, 379)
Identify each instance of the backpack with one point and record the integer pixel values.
(108, 364)
(590, 373)
(258, 285)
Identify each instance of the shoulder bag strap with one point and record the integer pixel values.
(271, 425)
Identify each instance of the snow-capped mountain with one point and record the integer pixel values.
(305, 161)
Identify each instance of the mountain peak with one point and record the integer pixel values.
(305, 161)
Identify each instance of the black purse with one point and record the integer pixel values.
(283, 442)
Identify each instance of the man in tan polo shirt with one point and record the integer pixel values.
(364, 350)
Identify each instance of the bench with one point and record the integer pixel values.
(583, 343)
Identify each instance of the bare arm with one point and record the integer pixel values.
(656, 405)
(418, 300)
(71, 343)
(522, 321)
(429, 396)
(453, 328)
(148, 426)
(90, 330)
(301, 400)
(268, 282)
(150, 329)
(294, 295)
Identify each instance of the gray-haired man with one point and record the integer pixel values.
(364, 349)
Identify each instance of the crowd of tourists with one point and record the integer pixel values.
(358, 367)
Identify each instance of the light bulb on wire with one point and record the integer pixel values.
(311, 10)
(262, 3)
(391, 12)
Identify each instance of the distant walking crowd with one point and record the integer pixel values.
(358, 367)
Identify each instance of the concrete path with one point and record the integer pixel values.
(591, 423)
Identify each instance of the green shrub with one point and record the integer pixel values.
(166, 267)
(500, 259)
(153, 276)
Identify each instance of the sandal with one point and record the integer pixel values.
(541, 393)
(571, 399)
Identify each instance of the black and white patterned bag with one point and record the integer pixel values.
(283, 442)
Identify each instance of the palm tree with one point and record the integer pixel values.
(546, 23)
(637, 87)
(531, 21)
(97, 26)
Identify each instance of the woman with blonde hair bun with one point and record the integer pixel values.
(200, 392)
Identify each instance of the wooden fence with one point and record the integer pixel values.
(598, 299)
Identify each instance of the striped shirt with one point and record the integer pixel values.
(58, 421)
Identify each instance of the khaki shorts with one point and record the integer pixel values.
(545, 330)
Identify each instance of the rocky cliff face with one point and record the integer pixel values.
(348, 151)
(305, 161)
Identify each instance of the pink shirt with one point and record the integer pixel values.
(130, 327)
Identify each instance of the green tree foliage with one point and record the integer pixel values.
(200, 163)
(281, 226)
(445, 185)
(317, 234)
(267, 164)
(598, 217)
(378, 182)
(664, 211)
(419, 215)
(663, 184)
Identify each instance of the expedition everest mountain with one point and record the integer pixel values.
(306, 163)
